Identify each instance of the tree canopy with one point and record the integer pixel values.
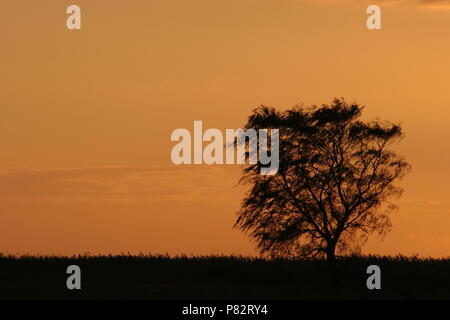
(336, 176)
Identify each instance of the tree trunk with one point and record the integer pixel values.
(331, 263)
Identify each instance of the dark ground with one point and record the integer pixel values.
(220, 277)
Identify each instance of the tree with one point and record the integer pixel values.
(336, 176)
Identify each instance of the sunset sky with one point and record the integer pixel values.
(86, 115)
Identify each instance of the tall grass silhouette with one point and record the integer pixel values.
(160, 277)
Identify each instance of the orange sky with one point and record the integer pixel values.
(86, 116)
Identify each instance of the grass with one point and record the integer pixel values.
(160, 277)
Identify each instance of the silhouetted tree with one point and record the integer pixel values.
(332, 188)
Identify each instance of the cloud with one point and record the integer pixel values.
(429, 4)
(436, 4)
(422, 205)
(112, 184)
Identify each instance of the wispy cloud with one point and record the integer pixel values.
(132, 184)
(436, 4)
(429, 4)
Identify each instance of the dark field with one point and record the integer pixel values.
(220, 277)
